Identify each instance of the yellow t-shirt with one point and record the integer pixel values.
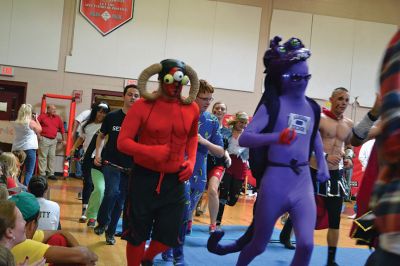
(32, 248)
(38, 236)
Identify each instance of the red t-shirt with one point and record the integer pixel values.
(11, 184)
(51, 125)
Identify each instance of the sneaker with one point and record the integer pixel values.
(118, 234)
(179, 261)
(198, 212)
(99, 229)
(110, 240)
(91, 223)
(83, 219)
(189, 227)
(212, 228)
(80, 195)
(287, 244)
(52, 177)
(218, 228)
(167, 255)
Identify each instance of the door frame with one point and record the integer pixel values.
(19, 86)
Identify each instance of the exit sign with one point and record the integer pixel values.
(129, 82)
(6, 71)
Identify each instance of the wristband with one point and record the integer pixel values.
(361, 129)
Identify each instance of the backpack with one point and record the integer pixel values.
(259, 156)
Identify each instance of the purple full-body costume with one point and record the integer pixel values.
(282, 189)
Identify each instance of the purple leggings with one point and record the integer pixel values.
(275, 197)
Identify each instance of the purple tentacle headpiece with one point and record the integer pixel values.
(279, 57)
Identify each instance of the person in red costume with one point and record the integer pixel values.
(160, 132)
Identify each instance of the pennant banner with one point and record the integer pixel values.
(107, 15)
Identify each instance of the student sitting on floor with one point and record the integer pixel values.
(49, 210)
(55, 246)
(3, 192)
(9, 171)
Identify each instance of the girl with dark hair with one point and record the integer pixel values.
(88, 131)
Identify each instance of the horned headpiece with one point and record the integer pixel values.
(169, 71)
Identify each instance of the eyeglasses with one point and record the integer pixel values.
(297, 77)
(206, 99)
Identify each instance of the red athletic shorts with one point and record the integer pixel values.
(217, 171)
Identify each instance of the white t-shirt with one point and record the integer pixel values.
(49, 214)
(365, 152)
(234, 147)
(87, 136)
(25, 138)
(83, 116)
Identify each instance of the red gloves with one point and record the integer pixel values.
(287, 136)
(187, 171)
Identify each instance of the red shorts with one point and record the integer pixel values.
(217, 171)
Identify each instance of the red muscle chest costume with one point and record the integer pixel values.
(162, 143)
(160, 132)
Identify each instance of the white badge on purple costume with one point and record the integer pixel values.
(299, 123)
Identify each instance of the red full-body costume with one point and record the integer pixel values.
(160, 132)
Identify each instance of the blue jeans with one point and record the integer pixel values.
(116, 186)
(30, 163)
(78, 169)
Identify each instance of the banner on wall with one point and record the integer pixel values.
(107, 15)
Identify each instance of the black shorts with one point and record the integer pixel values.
(333, 204)
(148, 213)
(334, 187)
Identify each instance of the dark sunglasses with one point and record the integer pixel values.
(297, 77)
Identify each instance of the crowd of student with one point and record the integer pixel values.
(105, 172)
(175, 159)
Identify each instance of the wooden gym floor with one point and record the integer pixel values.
(65, 193)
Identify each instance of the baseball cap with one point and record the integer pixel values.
(27, 204)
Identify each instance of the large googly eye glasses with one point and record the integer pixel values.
(297, 77)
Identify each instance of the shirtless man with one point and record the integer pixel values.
(336, 133)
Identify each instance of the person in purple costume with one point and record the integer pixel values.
(289, 143)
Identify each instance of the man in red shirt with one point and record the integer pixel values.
(51, 124)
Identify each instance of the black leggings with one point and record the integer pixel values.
(87, 180)
(333, 206)
(229, 192)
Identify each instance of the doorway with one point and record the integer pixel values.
(12, 96)
(113, 98)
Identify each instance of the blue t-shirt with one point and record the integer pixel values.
(208, 129)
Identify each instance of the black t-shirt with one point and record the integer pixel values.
(111, 126)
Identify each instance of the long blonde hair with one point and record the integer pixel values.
(11, 168)
(238, 116)
(24, 114)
